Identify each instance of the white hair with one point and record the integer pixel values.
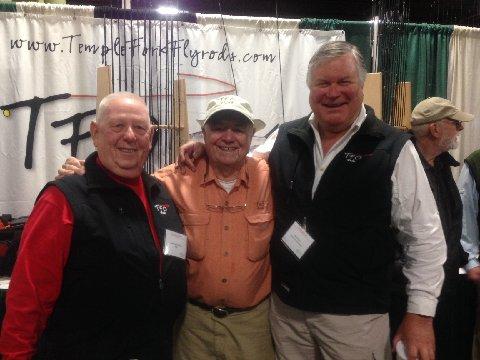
(332, 50)
(420, 130)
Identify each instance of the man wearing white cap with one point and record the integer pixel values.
(227, 210)
(436, 125)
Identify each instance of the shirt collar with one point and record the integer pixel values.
(445, 159)
(209, 175)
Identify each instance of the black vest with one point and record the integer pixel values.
(473, 162)
(114, 302)
(347, 269)
(449, 206)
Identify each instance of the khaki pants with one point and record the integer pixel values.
(238, 336)
(303, 335)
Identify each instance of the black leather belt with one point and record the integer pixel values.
(218, 311)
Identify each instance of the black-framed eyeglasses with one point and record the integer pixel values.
(458, 124)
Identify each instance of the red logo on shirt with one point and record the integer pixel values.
(162, 208)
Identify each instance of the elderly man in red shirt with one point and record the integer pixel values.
(91, 280)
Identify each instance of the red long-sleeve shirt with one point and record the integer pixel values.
(38, 273)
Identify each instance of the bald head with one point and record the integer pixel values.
(122, 96)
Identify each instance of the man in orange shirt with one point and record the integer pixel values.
(226, 208)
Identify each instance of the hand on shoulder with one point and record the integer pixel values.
(71, 166)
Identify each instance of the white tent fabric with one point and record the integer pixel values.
(464, 85)
(51, 53)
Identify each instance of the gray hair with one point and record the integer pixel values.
(102, 107)
(421, 130)
(334, 49)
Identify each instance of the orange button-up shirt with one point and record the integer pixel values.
(228, 233)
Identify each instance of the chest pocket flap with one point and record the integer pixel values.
(260, 229)
(196, 228)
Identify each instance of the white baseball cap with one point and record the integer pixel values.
(232, 103)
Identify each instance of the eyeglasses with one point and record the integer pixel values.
(227, 208)
(458, 124)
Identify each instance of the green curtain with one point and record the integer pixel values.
(417, 53)
(356, 32)
(426, 57)
(425, 51)
(7, 7)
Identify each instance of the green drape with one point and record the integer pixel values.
(426, 57)
(356, 32)
(8, 7)
(426, 50)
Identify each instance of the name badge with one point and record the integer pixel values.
(175, 244)
(297, 240)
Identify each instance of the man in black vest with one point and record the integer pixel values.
(436, 125)
(345, 186)
(96, 276)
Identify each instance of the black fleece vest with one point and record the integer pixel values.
(347, 270)
(449, 206)
(473, 162)
(114, 302)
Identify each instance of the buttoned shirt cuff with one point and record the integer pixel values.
(422, 305)
(472, 264)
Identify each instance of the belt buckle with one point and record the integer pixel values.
(219, 312)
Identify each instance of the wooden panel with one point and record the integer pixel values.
(104, 83)
(180, 114)
(403, 105)
(372, 91)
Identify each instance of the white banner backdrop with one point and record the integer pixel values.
(48, 82)
(463, 89)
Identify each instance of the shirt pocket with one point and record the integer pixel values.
(260, 229)
(196, 226)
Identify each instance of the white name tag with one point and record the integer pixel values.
(297, 240)
(175, 244)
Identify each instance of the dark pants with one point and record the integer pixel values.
(454, 321)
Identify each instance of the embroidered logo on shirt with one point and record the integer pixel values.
(162, 208)
(261, 205)
(353, 158)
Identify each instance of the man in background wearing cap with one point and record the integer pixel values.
(227, 210)
(436, 125)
